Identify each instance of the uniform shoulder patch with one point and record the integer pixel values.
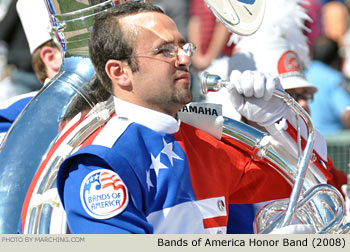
(103, 194)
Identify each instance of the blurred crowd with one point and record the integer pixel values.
(16, 72)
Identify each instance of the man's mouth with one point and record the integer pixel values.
(184, 76)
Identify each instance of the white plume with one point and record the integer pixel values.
(283, 19)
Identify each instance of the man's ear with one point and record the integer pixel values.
(52, 58)
(118, 72)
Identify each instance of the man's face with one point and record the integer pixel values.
(162, 82)
(303, 96)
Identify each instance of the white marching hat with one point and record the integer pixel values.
(279, 47)
(35, 21)
(275, 58)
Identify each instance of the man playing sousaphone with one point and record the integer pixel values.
(146, 171)
(138, 149)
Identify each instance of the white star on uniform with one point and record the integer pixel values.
(156, 164)
(168, 150)
(148, 180)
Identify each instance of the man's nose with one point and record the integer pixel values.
(304, 104)
(182, 59)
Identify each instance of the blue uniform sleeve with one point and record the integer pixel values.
(241, 219)
(9, 114)
(4, 126)
(72, 175)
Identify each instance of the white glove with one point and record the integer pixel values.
(295, 229)
(252, 96)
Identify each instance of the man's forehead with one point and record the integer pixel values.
(155, 22)
(147, 20)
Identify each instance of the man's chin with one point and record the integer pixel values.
(189, 99)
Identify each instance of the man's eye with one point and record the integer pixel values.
(164, 50)
(167, 51)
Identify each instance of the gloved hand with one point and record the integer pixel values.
(252, 96)
(295, 229)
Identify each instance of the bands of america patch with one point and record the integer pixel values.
(103, 194)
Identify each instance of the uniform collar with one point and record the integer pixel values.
(152, 119)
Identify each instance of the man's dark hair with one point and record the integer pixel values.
(326, 50)
(109, 40)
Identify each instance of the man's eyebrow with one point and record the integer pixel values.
(182, 41)
(179, 42)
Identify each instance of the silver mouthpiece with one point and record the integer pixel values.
(211, 82)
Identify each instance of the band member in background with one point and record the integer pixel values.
(46, 57)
